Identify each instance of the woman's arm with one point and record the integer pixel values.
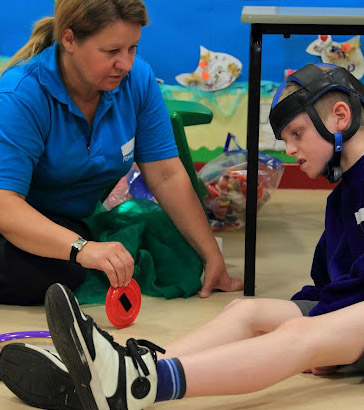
(168, 181)
(29, 230)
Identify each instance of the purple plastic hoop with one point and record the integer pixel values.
(5, 337)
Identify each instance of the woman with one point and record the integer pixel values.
(78, 108)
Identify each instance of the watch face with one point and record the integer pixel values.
(78, 243)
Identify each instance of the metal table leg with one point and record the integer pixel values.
(252, 166)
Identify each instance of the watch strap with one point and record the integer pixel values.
(73, 254)
(76, 246)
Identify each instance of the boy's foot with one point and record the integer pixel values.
(38, 377)
(106, 375)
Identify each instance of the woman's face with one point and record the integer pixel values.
(104, 59)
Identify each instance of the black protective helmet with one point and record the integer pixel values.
(314, 83)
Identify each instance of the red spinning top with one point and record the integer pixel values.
(123, 304)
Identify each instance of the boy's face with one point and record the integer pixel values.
(303, 142)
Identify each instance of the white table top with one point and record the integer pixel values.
(303, 15)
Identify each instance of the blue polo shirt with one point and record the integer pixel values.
(49, 152)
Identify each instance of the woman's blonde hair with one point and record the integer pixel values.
(84, 17)
(325, 103)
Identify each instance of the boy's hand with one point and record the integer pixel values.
(322, 371)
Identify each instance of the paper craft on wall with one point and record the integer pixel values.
(215, 71)
(346, 54)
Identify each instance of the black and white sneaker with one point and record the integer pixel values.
(107, 376)
(38, 377)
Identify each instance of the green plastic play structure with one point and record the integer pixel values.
(183, 114)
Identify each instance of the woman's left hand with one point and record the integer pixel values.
(217, 277)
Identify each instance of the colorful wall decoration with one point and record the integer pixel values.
(171, 44)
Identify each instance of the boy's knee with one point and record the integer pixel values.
(233, 304)
(301, 330)
(247, 310)
(297, 325)
(241, 305)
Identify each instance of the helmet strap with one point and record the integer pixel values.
(333, 171)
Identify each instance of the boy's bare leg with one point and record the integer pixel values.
(240, 319)
(254, 364)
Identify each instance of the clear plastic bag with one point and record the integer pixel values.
(131, 186)
(226, 179)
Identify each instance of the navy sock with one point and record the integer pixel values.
(171, 380)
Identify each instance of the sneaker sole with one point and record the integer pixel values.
(71, 346)
(32, 376)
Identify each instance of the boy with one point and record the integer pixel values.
(253, 343)
(320, 117)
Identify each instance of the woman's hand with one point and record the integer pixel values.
(109, 257)
(217, 277)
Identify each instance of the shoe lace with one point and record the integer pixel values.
(135, 352)
(133, 349)
(110, 339)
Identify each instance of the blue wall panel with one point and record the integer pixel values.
(177, 29)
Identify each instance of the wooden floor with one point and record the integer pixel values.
(288, 228)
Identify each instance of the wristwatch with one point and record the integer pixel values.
(76, 246)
